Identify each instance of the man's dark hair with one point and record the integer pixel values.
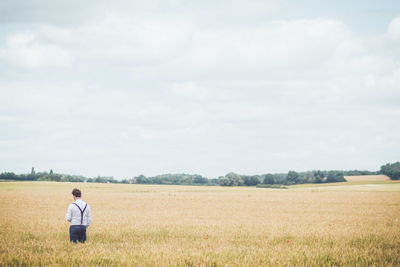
(76, 192)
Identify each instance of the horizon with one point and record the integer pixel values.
(180, 173)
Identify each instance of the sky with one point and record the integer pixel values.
(122, 88)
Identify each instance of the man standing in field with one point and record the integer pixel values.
(79, 215)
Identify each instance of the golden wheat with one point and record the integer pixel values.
(145, 225)
(363, 178)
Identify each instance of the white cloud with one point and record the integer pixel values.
(288, 46)
(394, 29)
(26, 51)
(153, 92)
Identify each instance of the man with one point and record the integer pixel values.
(79, 215)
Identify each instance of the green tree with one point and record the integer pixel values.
(251, 180)
(318, 176)
(198, 179)
(223, 181)
(141, 179)
(292, 177)
(269, 179)
(335, 176)
(9, 176)
(309, 177)
(235, 179)
(392, 170)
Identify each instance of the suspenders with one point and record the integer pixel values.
(82, 211)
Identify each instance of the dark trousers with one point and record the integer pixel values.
(77, 233)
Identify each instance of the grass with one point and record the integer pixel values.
(153, 225)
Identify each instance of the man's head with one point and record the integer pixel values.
(76, 193)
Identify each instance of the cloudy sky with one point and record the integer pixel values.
(124, 88)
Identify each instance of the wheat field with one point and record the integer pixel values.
(365, 178)
(150, 225)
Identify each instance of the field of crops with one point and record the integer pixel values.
(150, 225)
(365, 178)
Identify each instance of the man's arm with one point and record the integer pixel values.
(68, 217)
(88, 216)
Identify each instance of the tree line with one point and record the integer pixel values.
(172, 179)
(392, 170)
(292, 177)
(52, 176)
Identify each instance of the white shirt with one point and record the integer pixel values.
(74, 214)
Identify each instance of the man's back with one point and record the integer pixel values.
(79, 211)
